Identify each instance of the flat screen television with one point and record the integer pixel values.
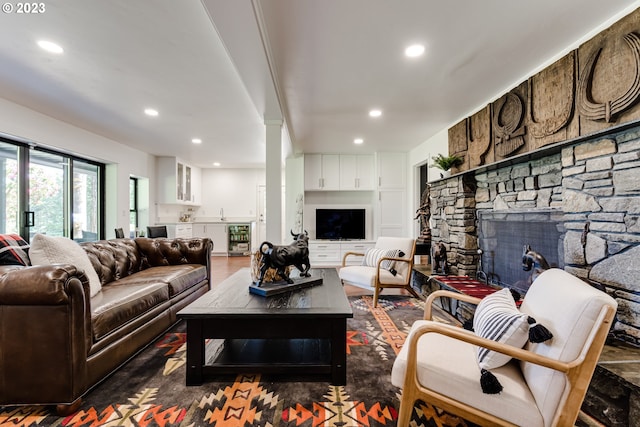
(340, 224)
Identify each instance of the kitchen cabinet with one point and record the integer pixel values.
(321, 172)
(217, 232)
(357, 172)
(178, 182)
(180, 231)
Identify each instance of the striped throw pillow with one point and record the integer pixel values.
(497, 318)
(373, 255)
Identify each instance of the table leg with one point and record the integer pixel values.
(339, 352)
(195, 352)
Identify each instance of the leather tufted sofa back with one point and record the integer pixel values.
(157, 252)
(113, 259)
(119, 258)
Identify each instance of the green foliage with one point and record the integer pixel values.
(446, 162)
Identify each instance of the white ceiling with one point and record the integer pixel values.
(217, 69)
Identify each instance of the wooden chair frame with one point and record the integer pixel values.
(578, 371)
(378, 284)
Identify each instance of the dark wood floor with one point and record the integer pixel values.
(223, 267)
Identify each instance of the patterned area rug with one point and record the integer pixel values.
(150, 390)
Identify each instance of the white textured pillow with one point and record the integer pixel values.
(497, 318)
(373, 255)
(47, 250)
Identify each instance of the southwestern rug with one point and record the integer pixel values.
(150, 390)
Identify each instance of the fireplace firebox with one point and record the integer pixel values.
(502, 236)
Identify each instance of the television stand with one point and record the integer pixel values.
(329, 253)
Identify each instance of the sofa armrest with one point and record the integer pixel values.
(42, 285)
(45, 334)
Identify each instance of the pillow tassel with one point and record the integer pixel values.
(489, 383)
(538, 333)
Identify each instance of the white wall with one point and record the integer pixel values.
(234, 190)
(27, 125)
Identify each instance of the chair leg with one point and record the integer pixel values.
(376, 293)
(406, 408)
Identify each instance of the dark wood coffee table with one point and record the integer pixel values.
(303, 332)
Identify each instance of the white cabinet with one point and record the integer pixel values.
(216, 232)
(178, 182)
(324, 253)
(391, 218)
(180, 231)
(392, 170)
(392, 213)
(357, 172)
(322, 172)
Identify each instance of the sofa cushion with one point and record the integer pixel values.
(118, 304)
(62, 250)
(13, 250)
(178, 278)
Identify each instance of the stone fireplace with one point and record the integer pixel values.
(582, 197)
(555, 163)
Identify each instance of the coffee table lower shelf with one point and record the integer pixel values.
(310, 356)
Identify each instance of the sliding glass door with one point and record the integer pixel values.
(47, 196)
(86, 201)
(9, 204)
(49, 193)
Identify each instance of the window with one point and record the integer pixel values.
(133, 204)
(49, 192)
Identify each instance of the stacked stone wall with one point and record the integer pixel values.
(453, 222)
(601, 182)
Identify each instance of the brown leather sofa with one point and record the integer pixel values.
(56, 342)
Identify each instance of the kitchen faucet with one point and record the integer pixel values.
(222, 218)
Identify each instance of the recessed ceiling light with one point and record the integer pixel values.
(414, 50)
(375, 113)
(151, 112)
(196, 141)
(358, 141)
(216, 164)
(50, 46)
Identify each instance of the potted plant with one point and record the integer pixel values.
(446, 163)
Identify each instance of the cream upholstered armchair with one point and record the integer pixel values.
(387, 265)
(547, 383)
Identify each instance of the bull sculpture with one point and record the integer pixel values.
(279, 257)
